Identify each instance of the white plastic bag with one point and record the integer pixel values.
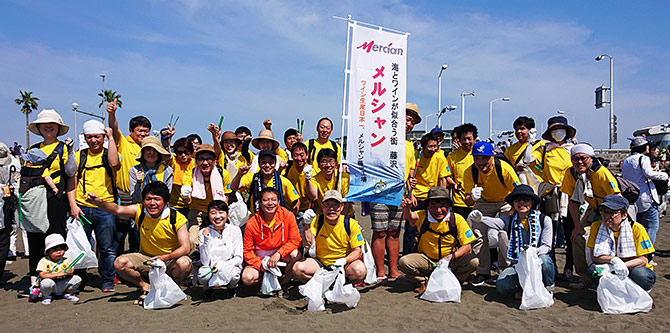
(224, 274)
(270, 282)
(164, 291)
(238, 214)
(369, 261)
(314, 289)
(443, 286)
(528, 177)
(341, 293)
(78, 243)
(617, 295)
(529, 270)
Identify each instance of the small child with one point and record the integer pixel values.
(36, 157)
(220, 251)
(51, 271)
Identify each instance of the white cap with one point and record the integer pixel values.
(93, 127)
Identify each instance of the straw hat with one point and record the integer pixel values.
(413, 110)
(153, 142)
(265, 134)
(205, 148)
(48, 116)
(228, 135)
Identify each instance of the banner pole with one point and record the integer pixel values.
(345, 100)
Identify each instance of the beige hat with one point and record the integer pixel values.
(205, 148)
(265, 134)
(153, 142)
(413, 110)
(48, 116)
(333, 194)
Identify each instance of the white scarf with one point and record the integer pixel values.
(606, 244)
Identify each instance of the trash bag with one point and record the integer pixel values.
(164, 291)
(529, 270)
(443, 286)
(224, 274)
(369, 261)
(78, 243)
(270, 281)
(314, 289)
(528, 177)
(341, 293)
(621, 295)
(238, 214)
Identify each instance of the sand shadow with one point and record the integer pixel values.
(491, 294)
(662, 253)
(585, 299)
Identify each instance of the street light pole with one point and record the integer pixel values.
(439, 93)
(504, 99)
(611, 101)
(463, 105)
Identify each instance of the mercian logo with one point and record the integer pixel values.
(371, 46)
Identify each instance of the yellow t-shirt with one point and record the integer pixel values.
(428, 244)
(410, 158)
(46, 265)
(457, 162)
(128, 151)
(182, 175)
(201, 204)
(94, 180)
(290, 193)
(602, 181)
(55, 165)
(333, 243)
(157, 237)
(298, 181)
(514, 151)
(643, 245)
(322, 185)
(429, 173)
(317, 148)
(282, 154)
(494, 190)
(556, 161)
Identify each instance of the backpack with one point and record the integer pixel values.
(32, 176)
(661, 186)
(83, 155)
(425, 227)
(311, 150)
(173, 219)
(497, 164)
(629, 190)
(347, 225)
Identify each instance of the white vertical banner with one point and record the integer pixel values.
(376, 117)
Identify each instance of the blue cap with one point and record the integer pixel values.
(436, 130)
(482, 148)
(615, 202)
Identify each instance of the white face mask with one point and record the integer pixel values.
(558, 134)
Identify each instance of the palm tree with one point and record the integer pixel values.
(28, 105)
(109, 96)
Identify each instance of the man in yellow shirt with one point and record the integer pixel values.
(163, 235)
(297, 173)
(514, 153)
(443, 236)
(327, 179)
(95, 174)
(324, 127)
(585, 182)
(338, 240)
(457, 162)
(622, 243)
(128, 148)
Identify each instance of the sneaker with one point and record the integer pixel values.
(116, 280)
(480, 279)
(46, 300)
(108, 288)
(71, 298)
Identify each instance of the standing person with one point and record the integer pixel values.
(515, 152)
(431, 171)
(291, 137)
(9, 204)
(457, 162)
(61, 167)
(585, 182)
(152, 167)
(17, 150)
(266, 141)
(95, 174)
(324, 127)
(182, 164)
(244, 134)
(297, 173)
(328, 179)
(637, 168)
(195, 140)
(128, 147)
(229, 156)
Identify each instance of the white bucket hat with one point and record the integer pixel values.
(48, 116)
(53, 240)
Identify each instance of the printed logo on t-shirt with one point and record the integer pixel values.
(295, 192)
(612, 184)
(360, 238)
(645, 244)
(228, 187)
(448, 170)
(468, 234)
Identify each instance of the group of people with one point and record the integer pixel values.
(476, 208)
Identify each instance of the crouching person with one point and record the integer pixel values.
(619, 241)
(220, 251)
(526, 227)
(271, 232)
(163, 235)
(442, 234)
(55, 279)
(338, 242)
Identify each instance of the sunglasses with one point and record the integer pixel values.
(181, 152)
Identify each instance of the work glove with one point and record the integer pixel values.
(307, 171)
(475, 216)
(340, 262)
(528, 157)
(477, 193)
(619, 267)
(186, 191)
(308, 216)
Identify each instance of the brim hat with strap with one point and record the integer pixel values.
(413, 110)
(153, 142)
(205, 148)
(228, 135)
(439, 192)
(267, 135)
(52, 241)
(48, 116)
(523, 190)
(557, 122)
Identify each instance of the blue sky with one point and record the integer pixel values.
(249, 60)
